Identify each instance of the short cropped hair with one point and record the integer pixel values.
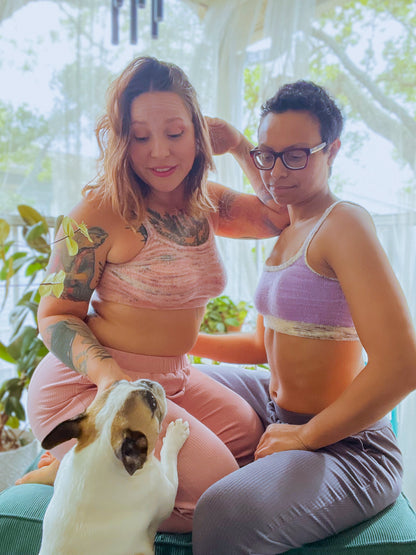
(116, 181)
(307, 96)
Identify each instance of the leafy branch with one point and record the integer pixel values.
(26, 349)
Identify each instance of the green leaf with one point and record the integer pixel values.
(58, 223)
(37, 266)
(4, 231)
(53, 285)
(68, 226)
(13, 406)
(84, 230)
(39, 244)
(13, 422)
(19, 343)
(36, 231)
(72, 246)
(5, 355)
(31, 216)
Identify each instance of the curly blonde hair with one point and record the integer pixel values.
(116, 182)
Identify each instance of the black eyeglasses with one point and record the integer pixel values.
(292, 158)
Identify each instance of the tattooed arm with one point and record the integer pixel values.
(226, 138)
(242, 215)
(71, 340)
(62, 320)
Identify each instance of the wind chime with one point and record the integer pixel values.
(156, 18)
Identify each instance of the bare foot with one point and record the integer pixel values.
(45, 473)
(46, 459)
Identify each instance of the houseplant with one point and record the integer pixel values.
(223, 315)
(26, 258)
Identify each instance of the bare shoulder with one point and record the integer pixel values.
(349, 211)
(350, 242)
(349, 221)
(107, 229)
(91, 212)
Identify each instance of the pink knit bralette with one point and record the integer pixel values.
(165, 275)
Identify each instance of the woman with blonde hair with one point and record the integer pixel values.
(135, 296)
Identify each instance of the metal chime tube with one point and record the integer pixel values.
(133, 22)
(156, 17)
(115, 6)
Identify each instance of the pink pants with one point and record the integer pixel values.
(224, 429)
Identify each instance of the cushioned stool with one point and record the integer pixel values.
(21, 513)
(391, 532)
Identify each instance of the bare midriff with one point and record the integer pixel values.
(145, 331)
(307, 374)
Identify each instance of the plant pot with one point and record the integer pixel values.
(13, 463)
(230, 329)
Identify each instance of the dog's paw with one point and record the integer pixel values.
(177, 432)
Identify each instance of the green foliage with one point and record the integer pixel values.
(223, 314)
(24, 349)
(251, 101)
(384, 33)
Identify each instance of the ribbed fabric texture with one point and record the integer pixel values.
(392, 532)
(298, 301)
(165, 275)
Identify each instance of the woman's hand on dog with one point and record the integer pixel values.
(108, 378)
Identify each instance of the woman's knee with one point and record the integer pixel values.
(203, 460)
(225, 521)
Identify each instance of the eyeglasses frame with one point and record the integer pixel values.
(307, 151)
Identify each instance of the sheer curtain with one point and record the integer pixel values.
(397, 233)
(276, 33)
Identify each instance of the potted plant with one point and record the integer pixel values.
(27, 258)
(223, 315)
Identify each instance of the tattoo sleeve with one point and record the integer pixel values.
(80, 269)
(63, 335)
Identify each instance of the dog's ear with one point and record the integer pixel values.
(133, 451)
(64, 432)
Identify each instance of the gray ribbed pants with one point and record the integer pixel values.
(291, 498)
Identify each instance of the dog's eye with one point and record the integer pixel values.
(151, 400)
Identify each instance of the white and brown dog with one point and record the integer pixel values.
(111, 492)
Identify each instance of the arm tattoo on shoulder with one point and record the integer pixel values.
(63, 334)
(80, 269)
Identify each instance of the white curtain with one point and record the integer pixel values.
(277, 33)
(397, 233)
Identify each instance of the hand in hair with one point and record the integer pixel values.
(223, 136)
